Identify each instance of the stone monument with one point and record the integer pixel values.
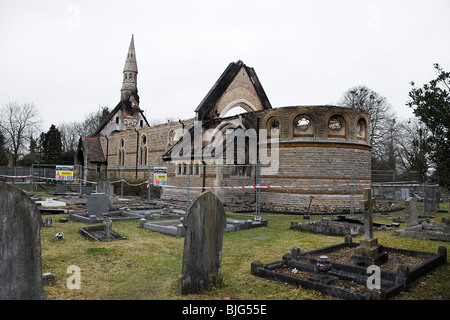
(98, 204)
(369, 251)
(411, 216)
(20, 258)
(107, 225)
(205, 222)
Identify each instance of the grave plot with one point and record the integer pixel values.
(350, 267)
(328, 227)
(120, 215)
(98, 209)
(424, 229)
(101, 232)
(330, 270)
(176, 228)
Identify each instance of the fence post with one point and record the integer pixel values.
(31, 178)
(258, 194)
(352, 191)
(188, 185)
(121, 182)
(149, 196)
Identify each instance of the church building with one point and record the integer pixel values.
(317, 147)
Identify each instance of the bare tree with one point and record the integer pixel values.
(70, 134)
(410, 146)
(383, 126)
(93, 121)
(18, 123)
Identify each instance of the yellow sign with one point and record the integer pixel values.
(160, 176)
(64, 173)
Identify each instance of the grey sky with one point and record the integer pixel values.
(67, 56)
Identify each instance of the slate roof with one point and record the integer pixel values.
(93, 148)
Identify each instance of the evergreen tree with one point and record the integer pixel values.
(52, 146)
(431, 105)
(3, 155)
(33, 156)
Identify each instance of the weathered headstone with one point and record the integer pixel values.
(205, 222)
(97, 204)
(107, 224)
(369, 251)
(20, 258)
(86, 190)
(48, 222)
(61, 188)
(107, 188)
(411, 215)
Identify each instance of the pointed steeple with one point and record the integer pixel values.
(130, 71)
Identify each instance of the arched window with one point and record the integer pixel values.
(121, 154)
(273, 127)
(337, 127)
(143, 151)
(361, 129)
(303, 126)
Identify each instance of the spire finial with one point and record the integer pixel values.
(130, 71)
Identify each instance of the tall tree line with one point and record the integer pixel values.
(420, 144)
(22, 145)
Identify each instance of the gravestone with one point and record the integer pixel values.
(369, 251)
(86, 190)
(20, 259)
(61, 188)
(411, 215)
(97, 204)
(48, 222)
(107, 188)
(107, 224)
(205, 222)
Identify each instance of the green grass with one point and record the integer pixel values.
(147, 264)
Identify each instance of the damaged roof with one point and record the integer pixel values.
(223, 83)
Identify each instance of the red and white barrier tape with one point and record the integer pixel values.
(249, 186)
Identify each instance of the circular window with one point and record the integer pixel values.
(335, 123)
(303, 124)
(144, 140)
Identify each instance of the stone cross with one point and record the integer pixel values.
(20, 255)
(367, 206)
(205, 222)
(369, 251)
(107, 224)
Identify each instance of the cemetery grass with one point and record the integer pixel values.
(146, 265)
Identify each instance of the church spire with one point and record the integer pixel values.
(130, 71)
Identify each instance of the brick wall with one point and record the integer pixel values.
(319, 157)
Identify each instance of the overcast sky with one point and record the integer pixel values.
(67, 57)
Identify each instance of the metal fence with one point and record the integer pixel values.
(291, 189)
